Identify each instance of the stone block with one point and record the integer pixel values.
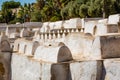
(83, 46)
(36, 36)
(101, 29)
(118, 27)
(86, 70)
(61, 71)
(75, 23)
(25, 69)
(110, 46)
(88, 47)
(66, 24)
(92, 48)
(16, 44)
(14, 35)
(112, 69)
(112, 28)
(90, 27)
(46, 71)
(72, 23)
(31, 47)
(114, 19)
(24, 33)
(58, 24)
(52, 25)
(5, 44)
(22, 47)
(74, 42)
(53, 54)
(44, 27)
(103, 21)
(33, 24)
(102, 47)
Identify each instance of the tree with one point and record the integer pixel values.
(83, 11)
(95, 10)
(6, 11)
(24, 14)
(36, 16)
(53, 10)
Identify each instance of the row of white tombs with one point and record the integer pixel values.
(79, 57)
(63, 55)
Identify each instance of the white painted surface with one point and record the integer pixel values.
(112, 69)
(114, 19)
(72, 23)
(101, 29)
(66, 24)
(29, 48)
(52, 54)
(12, 35)
(104, 21)
(92, 49)
(24, 32)
(87, 70)
(22, 47)
(75, 44)
(75, 22)
(25, 69)
(46, 71)
(58, 24)
(17, 43)
(48, 54)
(52, 25)
(44, 27)
(84, 47)
(36, 36)
(83, 23)
(89, 27)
